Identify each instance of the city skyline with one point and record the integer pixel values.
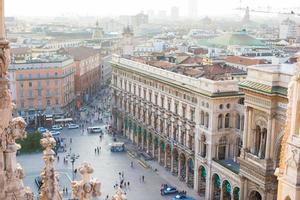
(96, 8)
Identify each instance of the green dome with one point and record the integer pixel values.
(238, 38)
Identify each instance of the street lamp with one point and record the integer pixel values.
(73, 157)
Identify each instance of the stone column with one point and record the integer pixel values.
(165, 161)
(142, 135)
(269, 135)
(153, 148)
(172, 162)
(179, 166)
(249, 131)
(148, 144)
(272, 153)
(186, 170)
(245, 134)
(158, 156)
(196, 173)
(242, 188)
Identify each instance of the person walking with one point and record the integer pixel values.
(143, 178)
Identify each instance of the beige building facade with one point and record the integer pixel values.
(192, 127)
(222, 138)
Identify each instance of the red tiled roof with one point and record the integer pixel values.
(192, 60)
(244, 61)
(161, 64)
(81, 53)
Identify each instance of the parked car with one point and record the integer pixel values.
(73, 126)
(95, 129)
(182, 196)
(42, 130)
(55, 133)
(168, 189)
(38, 182)
(56, 127)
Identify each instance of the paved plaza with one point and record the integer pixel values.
(107, 165)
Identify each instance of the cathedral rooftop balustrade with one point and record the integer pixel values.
(205, 86)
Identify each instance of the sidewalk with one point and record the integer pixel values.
(161, 171)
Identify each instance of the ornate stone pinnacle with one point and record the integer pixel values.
(88, 187)
(49, 189)
(48, 142)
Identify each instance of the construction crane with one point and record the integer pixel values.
(292, 11)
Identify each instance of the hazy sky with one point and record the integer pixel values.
(119, 7)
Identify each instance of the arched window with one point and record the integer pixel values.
(227, 120)
(203, 146)
(222, 148)
(202, 118)
(220, 121)
(238, 121)
(241, 101)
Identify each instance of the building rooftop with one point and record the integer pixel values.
(80, 53)
(269, 79)
(230, 39)
(203, 85)
(246, 61)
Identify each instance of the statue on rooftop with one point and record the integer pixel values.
(4, 60)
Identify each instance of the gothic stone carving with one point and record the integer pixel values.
(88, 187)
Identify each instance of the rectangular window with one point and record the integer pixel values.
(176, 108)
(56, 82)
(140, 92)
(162, 99)
(21, 84)
(156, 99)
(145, 93)
(21, 93)
(30, 84)
(56, 101)
(183, 111)
(39, 93)
(192, 114)
(150, 96)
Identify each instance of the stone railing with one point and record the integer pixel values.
(201, 84)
